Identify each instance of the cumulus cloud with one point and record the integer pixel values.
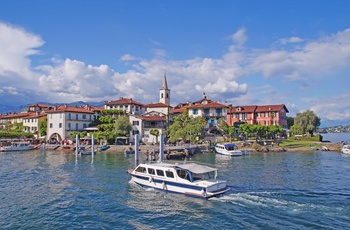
(74, 80)
(290, 40)
(16, 46)
(316, 57)
(231, 77)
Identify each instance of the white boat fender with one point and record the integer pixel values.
(150, 179)
(164, 185)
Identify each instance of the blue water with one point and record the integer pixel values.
(336, 137)
(56, 190)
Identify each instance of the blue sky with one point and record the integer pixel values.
(247, 52)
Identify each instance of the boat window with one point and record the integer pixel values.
(160, 172)
(141, 169)
(204, 176)
(151, 171)
(183, 174)
(169, 174)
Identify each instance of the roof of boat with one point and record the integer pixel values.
(227, 144)
(193, 167)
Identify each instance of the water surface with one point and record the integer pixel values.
(56, 190)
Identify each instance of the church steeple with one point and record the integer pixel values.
(164, 92)
(165, 84)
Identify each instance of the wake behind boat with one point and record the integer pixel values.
(187, 178)
(346, 149)
(228, 149)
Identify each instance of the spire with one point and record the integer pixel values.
(165, 84)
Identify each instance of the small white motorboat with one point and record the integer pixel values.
(228, 149)
(17, 146)
(186, 178)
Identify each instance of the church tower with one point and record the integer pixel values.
(164, 93)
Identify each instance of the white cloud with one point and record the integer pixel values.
(16, 46)
(285, 41)
(127, 57)
(230, 78)
(239, 36)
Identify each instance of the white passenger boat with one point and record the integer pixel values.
(228, 149)
(17, 146)
(186, 178)
(346, 149)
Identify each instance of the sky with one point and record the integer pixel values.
(239, 52)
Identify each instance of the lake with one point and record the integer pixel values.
(56, 190)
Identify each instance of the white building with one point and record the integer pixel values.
(62, 120)
(125, 104)
(157, 116)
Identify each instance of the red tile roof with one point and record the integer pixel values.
(152, 118)
(123, 101)
(74, 109)
(156, 105)
(273, 108)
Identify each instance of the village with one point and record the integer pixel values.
(63, 120)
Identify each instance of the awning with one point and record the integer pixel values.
(196, 168)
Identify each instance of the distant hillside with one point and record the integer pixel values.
(19, 108)
(335, 129)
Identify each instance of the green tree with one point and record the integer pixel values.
(308, 122)
(185, 127)
(43, 127)
(123, 126)
(155, 132)
(275, 129)
(290, 122)
(222, 125)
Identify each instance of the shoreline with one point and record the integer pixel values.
(336, 147)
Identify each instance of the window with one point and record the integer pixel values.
(84, 116)
(76, 126)
(195, 111)
(134, 132)
(151, 171)
(50, 125)
(266, 114)
(246, 116)
(84, 125)
(169, 174)
(60, 115)
(141, 169)
(135, 123)
(76, 117)
(233, 115)
(68, 126)
(69, 116)
(59, 125)
(258, 115)
(160, 172)
(51, 116)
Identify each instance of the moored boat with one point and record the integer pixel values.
(129, 151)
(103, 147)
(187, 178)
(17, 146)
(228, 149)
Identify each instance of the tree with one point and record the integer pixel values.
(185, 127)
(307, 121)
(290, 122)
(43, 127)
(123, 126)
(155, 132)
